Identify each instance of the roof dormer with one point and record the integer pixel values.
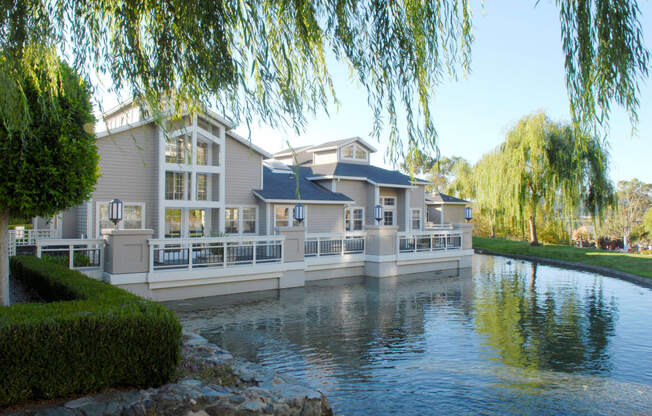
(352, 150)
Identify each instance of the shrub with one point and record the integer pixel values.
(91, 336)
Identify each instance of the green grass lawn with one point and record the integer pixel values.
(637, 264)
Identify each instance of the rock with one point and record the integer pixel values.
(252, 406)
(223, 409)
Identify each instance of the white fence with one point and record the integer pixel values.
(76, 254)
(189, 253)
(21, 238)
(417, 242)
(334, 244)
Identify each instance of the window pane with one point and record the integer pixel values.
(202, 194)
(202, 153)
(132, 217)
(357, 219)
(360, 153)
(416, 219)
(231, 223)
(104, 218)
(282, 216)
(196, 223)
(172, 222)
(347, 151)
(248, 214)
(388, 217)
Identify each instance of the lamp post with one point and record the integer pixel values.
(468, 214)
(378, 213)
(299, 212)
(115, 212)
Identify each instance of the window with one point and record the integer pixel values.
(354, 219)
(248, 220)
(197, 223)
(389, 205)
(202, 153)
(283, 214)
(347, 152)
(202, 180)
(231, 224)
(177, 150)
(416, 219)
(172, 222)
(175, 188)
(354, 151)
(240, 220)
(133, 217)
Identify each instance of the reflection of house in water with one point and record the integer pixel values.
(342, 321)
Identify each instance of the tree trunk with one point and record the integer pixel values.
(533, 231)
(493, 228)
(4, 257)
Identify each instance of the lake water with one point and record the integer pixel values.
(507, 338)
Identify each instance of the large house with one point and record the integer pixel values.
(201, 188)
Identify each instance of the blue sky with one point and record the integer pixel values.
(517, 68)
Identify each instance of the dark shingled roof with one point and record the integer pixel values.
(284, 186)
(373, 173)
(440, 198)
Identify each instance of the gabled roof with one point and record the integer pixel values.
(441, 198)
(334, 144)
(369, 173)
(282, 187)
(289, 151)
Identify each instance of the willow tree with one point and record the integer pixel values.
(268, 58)
(546, 165)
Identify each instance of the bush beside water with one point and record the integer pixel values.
(89, 337)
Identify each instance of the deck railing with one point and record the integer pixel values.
(76, 254)
(191, 253)
(417, 242)
(21, 238)
(334, 244)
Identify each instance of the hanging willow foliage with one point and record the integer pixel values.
(541, 169)
(267, 59)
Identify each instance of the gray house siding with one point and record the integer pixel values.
(69, 226)
(262, 218)
(357, 191)
(325, 218)
(129, 171)
(243, 171)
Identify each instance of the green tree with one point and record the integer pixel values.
(543, 166)
(634, 199)
(268, 58)
(52, 165)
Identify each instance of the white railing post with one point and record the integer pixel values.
(254, 252)
(342, 246)
(71, 262)
(432, 240)
(100, 248)
(190, 256)
(445, 242)
(224, 252)
(151, 257)
(318, 246)
(38, 250)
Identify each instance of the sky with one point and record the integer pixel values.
(516, 69)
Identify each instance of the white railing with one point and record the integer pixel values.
(76, 254)
(21, 238)
(190, 253)
(334, 244)
(417, 242)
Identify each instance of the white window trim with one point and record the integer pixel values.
(352, 208)
(291, 217)
(240, 228)
(142, 205)
(420, 219)
(355, 148)
(388, 208)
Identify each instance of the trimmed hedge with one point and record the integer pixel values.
(91, 336)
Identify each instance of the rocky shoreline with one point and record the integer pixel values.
(259, 391)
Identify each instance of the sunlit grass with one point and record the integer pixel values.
(637, 264)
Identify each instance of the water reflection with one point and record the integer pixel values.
(553, 328)
(508, 337)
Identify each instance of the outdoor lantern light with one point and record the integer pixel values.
(378, 213)
(468, 214)
(299, 212)
(115, 211)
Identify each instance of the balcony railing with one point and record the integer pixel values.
(20, 238)
(417, 242)
(334, 244)
(76, 254)
(192, 253)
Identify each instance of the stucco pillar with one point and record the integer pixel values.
(467, 235)
(380, 247)
(127, 251)
(293, 257)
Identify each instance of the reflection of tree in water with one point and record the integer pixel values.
(559, 329)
